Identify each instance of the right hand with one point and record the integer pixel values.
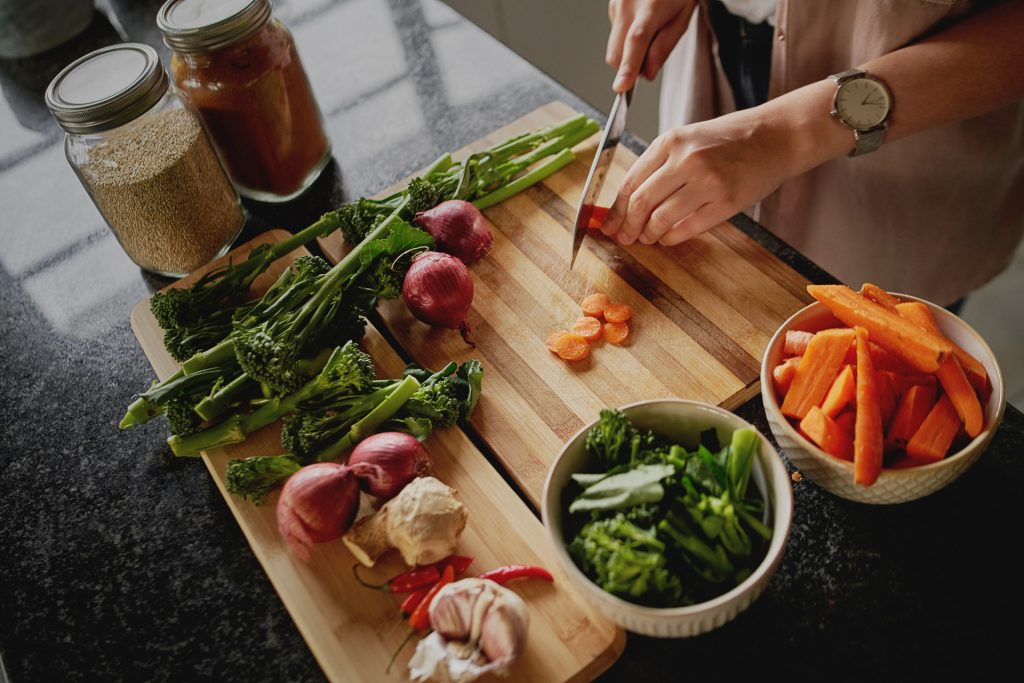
(635, 24)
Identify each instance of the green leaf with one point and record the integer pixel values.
(637, 486)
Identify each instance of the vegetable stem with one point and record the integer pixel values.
(555, 164)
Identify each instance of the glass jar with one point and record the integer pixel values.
(236, 66)
(144, 160)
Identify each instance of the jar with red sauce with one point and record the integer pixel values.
(237, 68)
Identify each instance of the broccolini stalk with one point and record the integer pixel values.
(153, 402)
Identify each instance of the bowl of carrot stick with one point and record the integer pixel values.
(879, 397)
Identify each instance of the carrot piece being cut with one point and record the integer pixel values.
(817, 370)
(933, 438)
(617, 313)
(783, 374)
(919, 349)
(616, 333)
(796, 342)
(829, 437)
(918, 313)
(572, 347)
(879, 296)
(913, 409)
(553, 338)
(588, 328)
(594, 304)
(867, 437)
(842, 392)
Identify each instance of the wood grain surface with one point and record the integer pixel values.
(353, 631)
(703, 313)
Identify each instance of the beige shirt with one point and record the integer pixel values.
(936, 214)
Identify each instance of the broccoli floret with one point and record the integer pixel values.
(360, 217)
(255, 477)
(610, 440)
(436, 401)
(181, 416)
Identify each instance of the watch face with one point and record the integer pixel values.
(862, 103)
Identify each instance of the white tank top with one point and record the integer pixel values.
(754, 11)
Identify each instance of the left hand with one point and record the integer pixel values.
(694, 177)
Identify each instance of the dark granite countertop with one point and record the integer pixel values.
(120, 562)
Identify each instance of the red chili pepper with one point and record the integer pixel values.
(412, 601)
(460, 563)
(502, 575)
(405, 582)
(420, 618)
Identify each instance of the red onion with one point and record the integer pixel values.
(318, 504)
(438, 289)
(386, 462)
(459, 228)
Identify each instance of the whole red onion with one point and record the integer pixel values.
(384, 463)
(438, 290)
(459, 229)
(318, 504)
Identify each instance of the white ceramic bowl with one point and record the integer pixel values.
(893, 485)
(683, 421)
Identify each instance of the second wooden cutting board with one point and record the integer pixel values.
(702, 315)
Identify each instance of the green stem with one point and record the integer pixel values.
(516, 146)
(217, 355)
(327, 224)
(368, 424)
(555, 164)
(139, 412)
(214, 405)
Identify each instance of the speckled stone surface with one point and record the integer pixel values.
(120, 562)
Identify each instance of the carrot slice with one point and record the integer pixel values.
(905, 382)
(919, 349)
(842, 392)
(816, 372)
(879, 296)
(572, 347)
(918, 313)
(961, 395)
(616, 333)
(847, 422)
(588, 328)
(826, 434)
(783, 374)
(796, 342)
(617, 313)
(553, 338)
(594, 304)
(933, 438)
(883, 360)
(867, 436)
(913, 409)
(888, 401)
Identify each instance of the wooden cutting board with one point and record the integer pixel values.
(703, 313)
(353, 631)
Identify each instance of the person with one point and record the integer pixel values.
(934, 210)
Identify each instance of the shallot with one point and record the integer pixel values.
(438, 290)
(459, 229)
(384, 463)
(318, 504)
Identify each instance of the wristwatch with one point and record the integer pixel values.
(863, 104)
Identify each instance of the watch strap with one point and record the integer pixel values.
(844, 76)
(868, 140)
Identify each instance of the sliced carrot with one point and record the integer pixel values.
(961, 395)
(783, 375)
(588, 328)
(594, 304)
(829, 437)
(553, 338)
(847, 422)
(882, 359)
(913, 409)
(616, 333)
(867, 437)
(796, 342)
(842, 392)
(617, 313)
(879, 296)
(572, 347)
(933, 438)
(918, 313)
(888, 401)
(916, 347)
(817, 370)
(905, 382)
(598, 215)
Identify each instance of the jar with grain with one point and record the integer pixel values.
(237, 67)
(144, 160)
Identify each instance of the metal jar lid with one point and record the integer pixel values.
(192, 26)
(106, 88)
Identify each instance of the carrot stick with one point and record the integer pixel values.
(913, 409)
(847, 422)
(594, 304)
(961, 395)
(918, 313)
(829, 437)
(919, 349)
(882, 359)
(616, 333)
(905, 382)
(617, 313)
(888, 401)
(816, 372)
(588, 328)
(783, 374)
(796, 342)
(867, 438)
(933, 438)
(552, 340)
(572, 347)
(842, 392)
(879, 296)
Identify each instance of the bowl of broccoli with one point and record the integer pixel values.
(671, 515)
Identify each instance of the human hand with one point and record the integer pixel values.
(637, 24)
(694, 177)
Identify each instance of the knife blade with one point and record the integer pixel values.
(610, 137)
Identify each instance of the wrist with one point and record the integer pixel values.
(812, 136)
